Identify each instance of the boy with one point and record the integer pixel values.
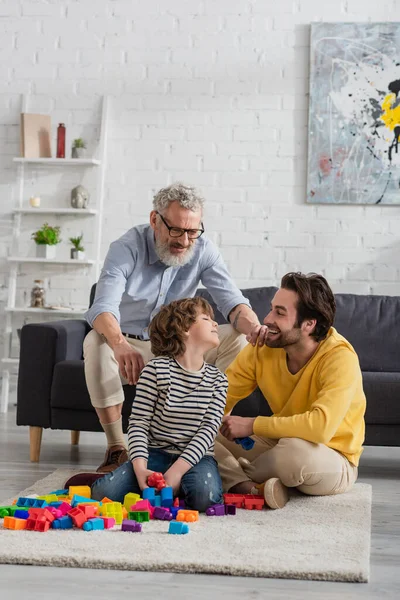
(177, 411)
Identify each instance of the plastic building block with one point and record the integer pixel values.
(49, 498)
(230, 509)
(64, 507)
(13, 523)
(92, 524)
(105, 500)
(90, 510)
(131, 499)
(143, 505)
(78, 516)
(251, 501)
(124, 513)
(76, 499)
(246, 442)
(109, 522)
(167, 497)
(64, 522)
(38, 513)
(157, 481)
(187, 515)
(182, 503)
(178, 528)
(149, 494)
(80, 490)
(37, 523)
(112, 509)
(55, 512)
(161, 513)
(128, 525)
(174, 511)
(141, 516)
(60, 492)
(31, 502)
(235, 499)
(176, 502)
(21, 514)
(7, 511)
(217, 510)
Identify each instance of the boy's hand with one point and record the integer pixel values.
(141, 472)
(173, 479)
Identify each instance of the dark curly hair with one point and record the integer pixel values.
(315, 301)
(167, 328)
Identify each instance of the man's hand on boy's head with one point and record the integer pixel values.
(129, 360)
(236, 427)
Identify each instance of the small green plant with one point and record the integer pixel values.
(79, 143)
(47, 235)
(77, 242)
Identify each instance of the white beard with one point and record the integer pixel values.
(169, 259)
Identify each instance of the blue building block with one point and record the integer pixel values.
(173, 510)
(21, 514)
(59, 493)
(246, 442)
(178, 527)
(92, 524)
(149, 494)
(167, 497)
(156, 501)
(63, 523)
(31, 502)
(79, 499)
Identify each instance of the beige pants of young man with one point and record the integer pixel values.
(313, 469)
(102, 374)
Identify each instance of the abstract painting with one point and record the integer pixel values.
(354, 120)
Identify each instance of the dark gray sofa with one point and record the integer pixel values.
(52, 391)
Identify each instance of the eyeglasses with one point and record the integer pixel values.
(176, 232)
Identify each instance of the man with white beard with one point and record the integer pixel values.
(147, 267)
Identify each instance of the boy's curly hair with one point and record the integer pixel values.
(167, 329)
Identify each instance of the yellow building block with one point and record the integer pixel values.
(80, 490)
(13, 523)
(49, 498)
(131, 499)
(112, 509)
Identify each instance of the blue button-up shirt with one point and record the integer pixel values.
(134, 283)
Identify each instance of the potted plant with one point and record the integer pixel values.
(78, 148)
(78, 251)
(46, 239)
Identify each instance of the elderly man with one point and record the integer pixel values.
(311, 379)
(149, 266)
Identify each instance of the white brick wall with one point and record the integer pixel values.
(213, 92)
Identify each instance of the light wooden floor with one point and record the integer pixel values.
(380, 467)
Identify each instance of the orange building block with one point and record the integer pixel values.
(187, 515)
(13, 523)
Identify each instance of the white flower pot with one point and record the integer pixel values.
(78, 153)
(45, 251)
(77, 254)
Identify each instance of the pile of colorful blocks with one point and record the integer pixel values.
(74, 507)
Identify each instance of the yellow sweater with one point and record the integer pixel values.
(323, 403)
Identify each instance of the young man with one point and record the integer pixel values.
(311, 378)
(152, 265)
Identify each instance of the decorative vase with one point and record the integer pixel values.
(79, 197)
(34, 201)
(61, 141)
(77, 254)
(78, 153)
(45, 251)
(38, 294)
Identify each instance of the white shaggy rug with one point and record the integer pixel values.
(323, 538)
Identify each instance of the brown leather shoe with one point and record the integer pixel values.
(113, 459)
(83, 479)
(275, 493)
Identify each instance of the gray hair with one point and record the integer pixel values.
(187, 196)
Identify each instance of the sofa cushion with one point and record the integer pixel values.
(69, 391)
(370, 324)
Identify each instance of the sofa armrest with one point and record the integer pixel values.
(42, 346)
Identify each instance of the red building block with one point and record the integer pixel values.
(157, 481)
(78, 516)
(253, 502)
(235, 499)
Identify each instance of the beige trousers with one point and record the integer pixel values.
(314, 469)
(104, 380)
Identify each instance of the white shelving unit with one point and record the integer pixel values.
(21, 210)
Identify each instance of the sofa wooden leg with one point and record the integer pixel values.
(75, 437)
(35, 436)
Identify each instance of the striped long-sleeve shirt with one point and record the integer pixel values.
(176, 410)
